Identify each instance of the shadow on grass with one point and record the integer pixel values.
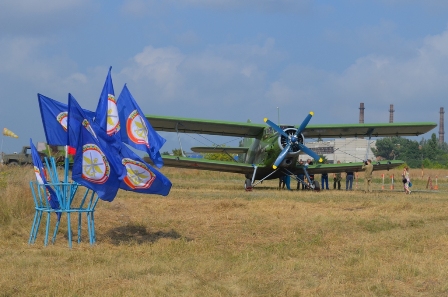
(138, 234)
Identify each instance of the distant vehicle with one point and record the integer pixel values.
(22, 158)
(25, 158)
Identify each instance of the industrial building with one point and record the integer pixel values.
(345, 150)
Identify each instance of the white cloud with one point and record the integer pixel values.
(158, 65)
(22, 8)
(224, 74)
(431, 5)
(416, 85)
(136, 8)
(260, 5)
(29, 17)
(139, 7)
(188, 38)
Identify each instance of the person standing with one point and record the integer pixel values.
(301, 176)
(337, 177)
(324, 181)
(311, 179)
(406, 180)
(349, 180)
(368, 169)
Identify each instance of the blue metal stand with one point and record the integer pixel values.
(69, 203)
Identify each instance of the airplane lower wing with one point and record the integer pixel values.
(262, 171)
(229, 150)
(348, 167)
(203, 164)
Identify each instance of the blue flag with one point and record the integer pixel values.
(39, 171)
(141, 177)
(54, 116)
(96, 165)
(107, 111)
(76, 120)
(138, 132)
(54, 120)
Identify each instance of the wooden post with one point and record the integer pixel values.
(429, 183)
(382, 186)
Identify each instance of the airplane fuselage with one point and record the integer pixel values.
(264, 151)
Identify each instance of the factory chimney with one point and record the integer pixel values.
(441, 128)
(391, 113)
(361, 113)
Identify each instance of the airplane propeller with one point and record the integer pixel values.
(292, 140)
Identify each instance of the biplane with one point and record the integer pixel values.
(269, 151)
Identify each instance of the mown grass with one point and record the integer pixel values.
(211, 238)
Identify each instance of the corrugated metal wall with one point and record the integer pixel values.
(345, 150)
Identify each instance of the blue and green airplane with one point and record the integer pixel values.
(271, 151)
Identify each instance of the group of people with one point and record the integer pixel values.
(337, 178)
(301, 184)
(368, 169)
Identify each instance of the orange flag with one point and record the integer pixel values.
(9, 133)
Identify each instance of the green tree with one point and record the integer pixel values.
(388, 148)
(220, 156)
(431, 149)
(177, 152)
(399, 148)
(428, 153)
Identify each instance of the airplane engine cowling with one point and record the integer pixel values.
(294, 148)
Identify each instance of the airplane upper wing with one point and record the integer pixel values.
(251, 130)
(187, 125)
(364, 130)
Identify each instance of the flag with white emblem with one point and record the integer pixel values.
(39, 171)
(138, 132)
(107, 111)
(96, 166)
(141, 177)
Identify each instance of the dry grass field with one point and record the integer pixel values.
(211, 238)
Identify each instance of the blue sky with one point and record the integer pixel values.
(226, 59)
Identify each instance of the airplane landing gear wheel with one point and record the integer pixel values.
(248, 185)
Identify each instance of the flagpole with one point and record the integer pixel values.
(66, 165)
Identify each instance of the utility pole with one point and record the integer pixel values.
(278, 116)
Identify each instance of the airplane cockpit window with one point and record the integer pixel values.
(268, 131)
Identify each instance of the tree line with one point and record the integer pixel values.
(427, 153)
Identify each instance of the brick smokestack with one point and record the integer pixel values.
(361, 113)
(391, 113)
(441, 126)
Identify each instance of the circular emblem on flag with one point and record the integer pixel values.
(38, 176)
(95, 167)
(136, 129)
(113, 121)
(62, 119)
(85, 123)
(138, 175)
